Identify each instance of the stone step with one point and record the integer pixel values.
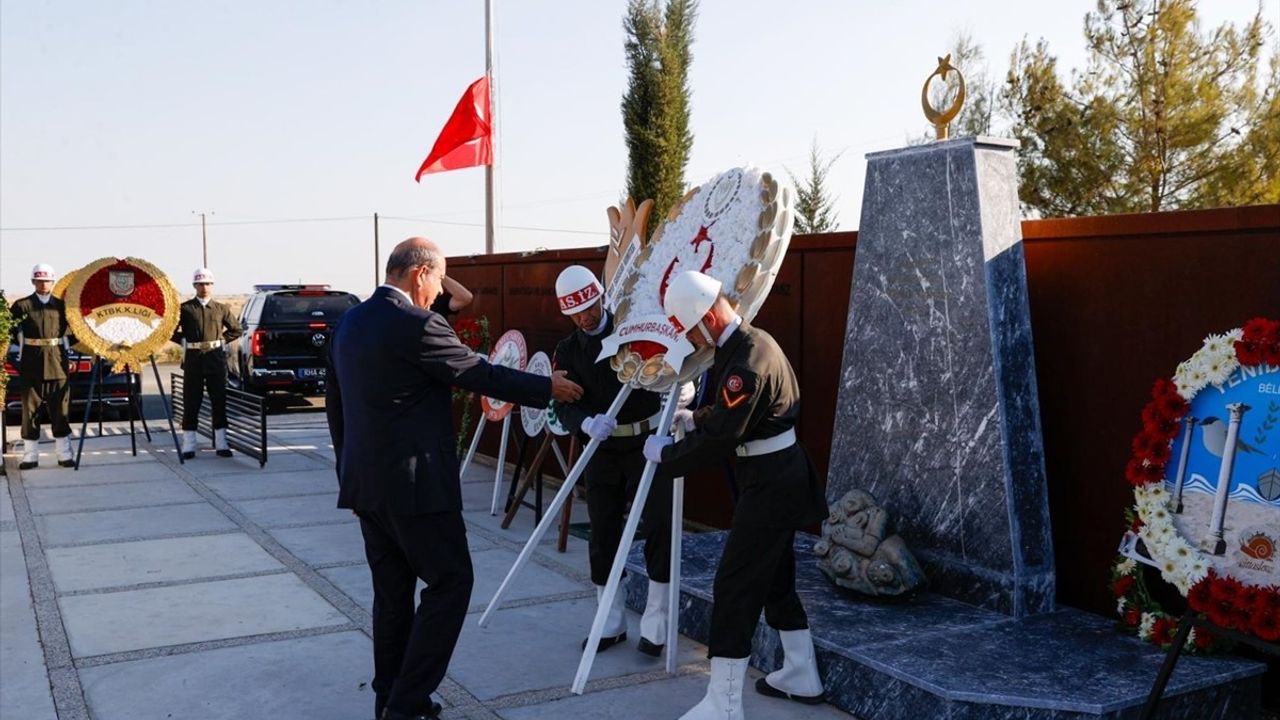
(934, 657)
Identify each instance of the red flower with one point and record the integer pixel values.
(1163, 387)
(1152, 447)
(1262, 330)
(1266, 626)
(1249, 353)
(1225, 589)
(1268, 601)
(1200, 596)
(1271, 354)
(1132, 617)
(1247, 598)
(1140, 472)
(1172, 407)
(1156, 422)
(1220, 614)
(1121, 586)
(1137, 523)
(1162, 631)
(1204, 638)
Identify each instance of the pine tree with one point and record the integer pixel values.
(815, 211)
(1165, 116)
(655, 108)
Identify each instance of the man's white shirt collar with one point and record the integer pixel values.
(204, 302)
(728, 331)
(604, 320)
(44, 298)
(402, 292)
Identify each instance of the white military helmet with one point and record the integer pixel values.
(43, 271)
(577, 289)
(689, 296)
(202, 275)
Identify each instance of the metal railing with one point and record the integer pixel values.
(246, 419)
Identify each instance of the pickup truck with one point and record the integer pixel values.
(286, 337)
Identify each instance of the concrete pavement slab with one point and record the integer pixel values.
(534, 581)
(281, 461)
(136, 523)
(324, 544)
(537, 647)
(24, 689)
(666, 698)
(313, 677)
(135, 619)
(43, 477)
(106, 497)
(354, 580)
(303, 510)
(253, 485)
(153, 561)
(6, 502)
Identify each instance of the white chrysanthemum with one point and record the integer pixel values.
(1126, 566)
(1213, 345)
(1217, 370)
(1144, 627)
(1234, 336)
(1120, 605)
(1191, 639)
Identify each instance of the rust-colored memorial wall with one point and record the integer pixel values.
(1116, 302)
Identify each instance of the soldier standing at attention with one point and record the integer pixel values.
(757, 402)
(42, 324)
(205, 327)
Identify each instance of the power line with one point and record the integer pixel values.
(531, 228)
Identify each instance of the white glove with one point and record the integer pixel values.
(599, 427)
(683, 419)
(653, 447)
(687, 392)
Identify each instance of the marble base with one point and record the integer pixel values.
(935, 657)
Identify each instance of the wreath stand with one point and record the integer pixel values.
(532, 479)
(135, 406)
(1189, 619)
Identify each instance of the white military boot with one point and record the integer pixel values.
(189, 445)
(30, 454)
(615, 623)
(723, 700)
(220, 443)
(62, 446)
(797, 679)
(653, 624)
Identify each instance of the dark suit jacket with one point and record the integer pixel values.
(392, 366)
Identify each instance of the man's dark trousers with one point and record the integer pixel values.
(202, 373)
(411, 650)
(56, 397)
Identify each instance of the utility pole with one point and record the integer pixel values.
(204, 239)
(376, 255)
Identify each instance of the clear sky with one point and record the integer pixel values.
(139, 112)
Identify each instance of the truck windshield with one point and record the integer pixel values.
(307, 307)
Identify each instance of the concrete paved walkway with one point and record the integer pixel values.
(141, 589)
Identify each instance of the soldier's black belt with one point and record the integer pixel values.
(42, 342)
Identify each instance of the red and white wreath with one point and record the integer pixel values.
(1240, 595)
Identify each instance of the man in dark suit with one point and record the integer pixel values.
(392, 365)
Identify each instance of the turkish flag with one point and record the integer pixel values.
(467, 139)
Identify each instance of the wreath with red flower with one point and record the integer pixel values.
(124, 310)
(1152, 538)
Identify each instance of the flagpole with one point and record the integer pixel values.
(493, 119)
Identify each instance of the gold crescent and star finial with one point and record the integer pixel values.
(941, 119)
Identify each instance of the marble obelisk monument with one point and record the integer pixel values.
(937, 413)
